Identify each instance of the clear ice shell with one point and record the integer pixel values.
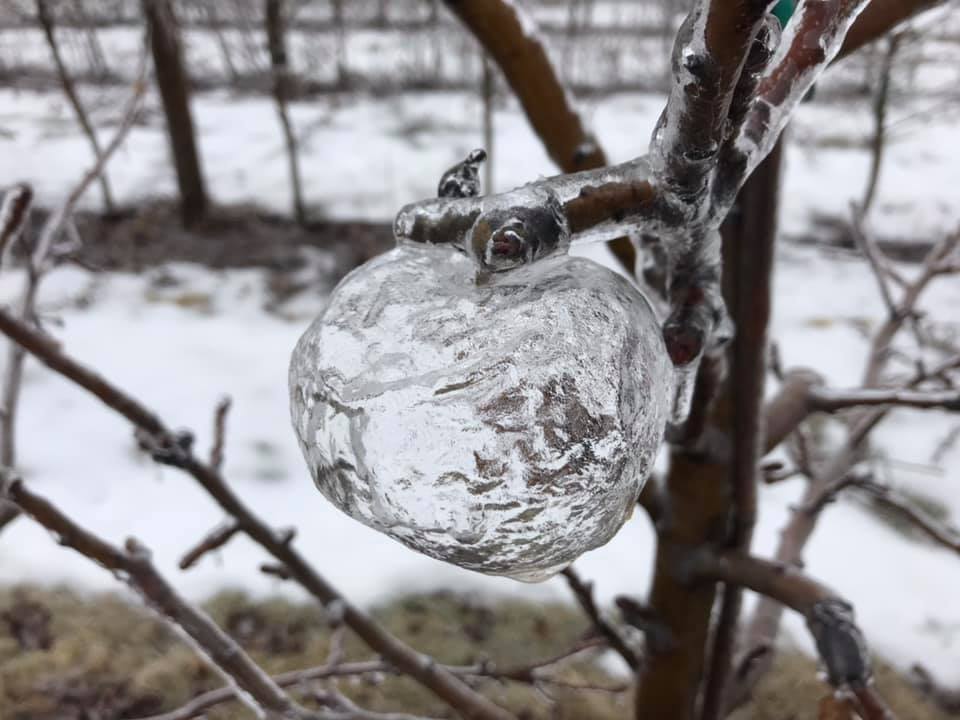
(506, 428)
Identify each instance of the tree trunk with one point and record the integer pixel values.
(46, 22)
(280, 71)
(711, 483)
(175, 95)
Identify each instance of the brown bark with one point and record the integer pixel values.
(173, 83)
(749, 240)
(878, 18)
(528, 70)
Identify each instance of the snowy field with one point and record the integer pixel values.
(179, 347)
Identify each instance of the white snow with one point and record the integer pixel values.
(365, 157)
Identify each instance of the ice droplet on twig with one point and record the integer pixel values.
(506, 427)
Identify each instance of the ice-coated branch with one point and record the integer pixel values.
(583, 591)
(709, 55)
(179, 454)
(878, 18)
(810, 42)
(510, 37)
(829, 617)
(133, 566)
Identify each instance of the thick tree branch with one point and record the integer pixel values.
(829, 617)
(748, 291)
(878, 18)
(46, 23)
(508, 36)
(171, 449)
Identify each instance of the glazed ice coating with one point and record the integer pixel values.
(506, 427)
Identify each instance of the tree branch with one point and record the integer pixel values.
(830, 400)
(829, 617)
(748, 291)
(878, 18)
(133, 565)
(171, 448)
(583, 591)
(219, 433)
(508, 36)
(14, 212)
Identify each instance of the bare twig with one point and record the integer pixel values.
(133, 565)
(938, 532)
(215, 540)
(878, 264)
(219, 433)
(14, 212)
(46, 22)
(583, 591)
(946, 698)
(881, 99)
(785, 411)
(422, 668)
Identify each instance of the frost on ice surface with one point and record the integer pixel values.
(506, 427)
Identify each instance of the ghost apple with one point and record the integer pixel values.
(505, 424)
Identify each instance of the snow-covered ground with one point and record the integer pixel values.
(180, 347)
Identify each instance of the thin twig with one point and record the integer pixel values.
(584, 594)
(874, 255)
(214, 540)
(527, 674)
(219, 433)
(14, 212)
